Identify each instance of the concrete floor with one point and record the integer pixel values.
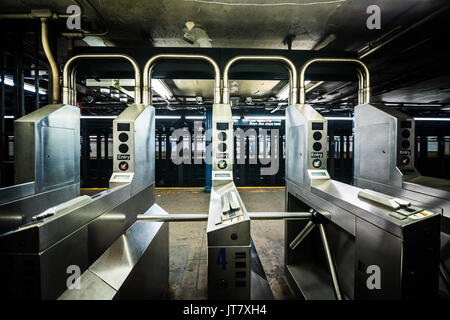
(187, 241)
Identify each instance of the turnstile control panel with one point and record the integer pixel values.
(222, 144)
(123, 146)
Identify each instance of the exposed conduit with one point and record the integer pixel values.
(51, 60)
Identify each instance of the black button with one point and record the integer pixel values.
(317, 146)
(405, 144)
(317, 135)
(222, 147)
(123, 148)
(406, 134)
(222, 136)
(123, 137)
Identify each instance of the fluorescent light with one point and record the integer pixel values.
(195, 117)
(283, 94)
(161, 89)
(9, 81)
(432, 119)
(339, 118)
(31, 88)
(105, 90)
(26, 86)
(264, 117)
(9, 117)
(98, 117)
(167, 117)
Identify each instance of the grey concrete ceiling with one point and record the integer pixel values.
(240, 23)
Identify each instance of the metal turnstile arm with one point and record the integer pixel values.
(318, 220)
(330, 261)
(182, 217)
(305, 231)
(172, 217)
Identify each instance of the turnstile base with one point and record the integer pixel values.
(260, 288)
(310, 282)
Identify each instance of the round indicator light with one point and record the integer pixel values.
(123, 166)
(222, 147)
(405, 144)
(317, 146)
(123, 137)
(406, 134)
(222, 164)
(317, 163)
(405, 160)
(123, 148)
(317, 135)
(222, 136)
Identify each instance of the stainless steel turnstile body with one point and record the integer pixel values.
(47, 164)
(364, 235)
(228, 229)
(384, 161)
(37, 255)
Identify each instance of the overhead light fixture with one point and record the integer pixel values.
(105, 90)
(26, 86)
(160, 87)
(283, 94)
(98, 117)
(195, 35)
(339, 118)
(167, 117)
(195, 117)
(432, 119)
(264, 118)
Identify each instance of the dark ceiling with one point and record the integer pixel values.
(406, 56)
(238, 23)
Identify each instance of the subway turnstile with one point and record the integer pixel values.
(72, 237)
(382, 247)
(384, 161)
(47, 165)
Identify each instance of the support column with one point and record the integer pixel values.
(208, 160)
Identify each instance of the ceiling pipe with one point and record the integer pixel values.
(67, 69)
(366, 81)
(99, 16)
(287, 62)
(415, 25)
(147, 86)
(35, 14)
(53, 65)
